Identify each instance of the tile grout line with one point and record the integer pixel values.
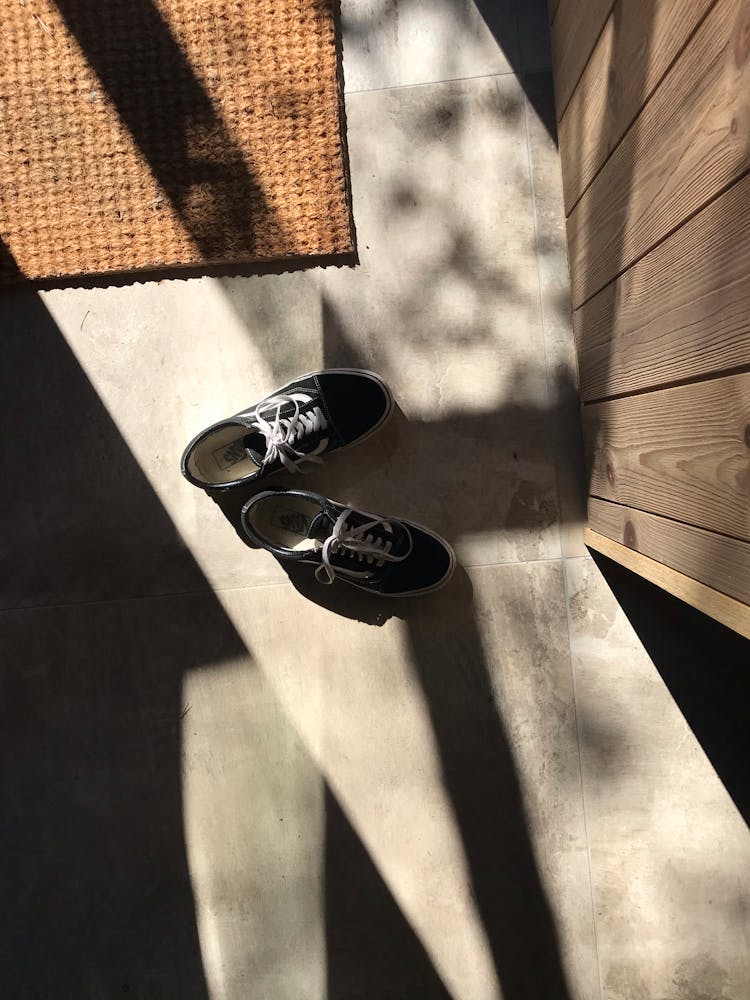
(432, 83)
(540, 299)
(566, 593)
(563, 558)
(209, 591)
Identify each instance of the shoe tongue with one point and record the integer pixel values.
(255, 442)
(320, 527)
(288, 409)
(255, 445)
(400, 538)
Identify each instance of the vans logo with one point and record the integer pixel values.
(291, 520)
(229, 455)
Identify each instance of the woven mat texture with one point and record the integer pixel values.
(141, 134)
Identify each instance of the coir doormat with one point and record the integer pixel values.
(142, 134)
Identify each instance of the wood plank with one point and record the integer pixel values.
(553, 5)
(636, 48)
(682, 452)
(681, 312)
(734, 614)
(721, 563)
(575, 29)
(690, 141)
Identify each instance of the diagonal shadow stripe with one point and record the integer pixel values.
(481, 778)
(94, 865)
(680, 641)
(372, 950)
(478, 766)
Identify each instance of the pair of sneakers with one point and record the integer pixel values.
(297, 425)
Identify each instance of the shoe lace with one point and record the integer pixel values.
(282, 433)
(357, 543)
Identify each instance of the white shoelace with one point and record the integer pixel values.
(281, 433)
(357, 543)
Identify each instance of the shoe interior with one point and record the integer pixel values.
(284, 521)
(221, 457)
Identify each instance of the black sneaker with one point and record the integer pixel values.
(300, 422)
(384, 555)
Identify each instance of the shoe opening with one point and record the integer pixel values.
(222, 456)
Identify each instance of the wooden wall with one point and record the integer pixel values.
(653, 107)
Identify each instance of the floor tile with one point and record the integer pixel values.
(255, 826)
(447, 275)
(520, 613)
(445, 304)
(396, 43)
(445, 728)
(118, 884)
(195, 784)
(670, 853)
(86, 523)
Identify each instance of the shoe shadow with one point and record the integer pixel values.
(343, 599)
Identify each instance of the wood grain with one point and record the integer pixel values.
(681, 452)
(730, 612)
(690, 141)
(575, 29)
(720, 562)
(636, 48)
(553, 5)
(681, 312)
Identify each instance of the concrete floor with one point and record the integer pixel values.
(220, 783)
